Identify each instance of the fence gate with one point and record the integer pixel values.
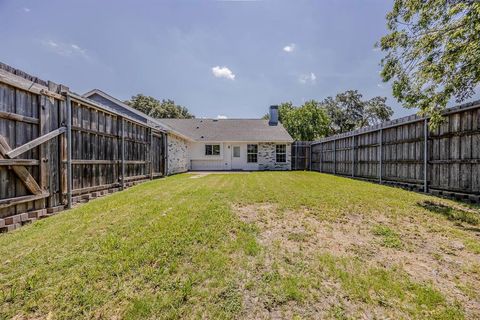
(32, 144)
(301, 155)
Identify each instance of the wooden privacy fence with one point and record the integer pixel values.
(301, 155)
(58, 148)
(404, 152)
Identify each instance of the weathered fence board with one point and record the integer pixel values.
(405, 152)
(37, 175)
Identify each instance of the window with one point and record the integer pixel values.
(236, 152)
(252, 151)
(281, 153)
(212, 149)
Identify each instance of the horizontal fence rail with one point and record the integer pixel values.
(404, 152)
(58, 148)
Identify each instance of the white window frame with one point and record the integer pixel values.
(239, 152)
(280, 153)
(212, 153)
(252, 153)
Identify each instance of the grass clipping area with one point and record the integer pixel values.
(292, 245)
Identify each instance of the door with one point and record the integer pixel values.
(236, 158)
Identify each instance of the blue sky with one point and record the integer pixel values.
(229, 58)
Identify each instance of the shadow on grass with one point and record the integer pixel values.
(459, 214)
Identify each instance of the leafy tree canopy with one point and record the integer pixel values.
(348, 111)
(432, 53)
(159, 109)
(305, 123)
(345, 112)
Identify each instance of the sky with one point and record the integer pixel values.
(217, 58)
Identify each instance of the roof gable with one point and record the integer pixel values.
(119, 106)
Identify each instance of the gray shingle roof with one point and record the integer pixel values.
(119, 106)
(229, 130)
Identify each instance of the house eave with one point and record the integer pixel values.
(150, 121)
(178, 134)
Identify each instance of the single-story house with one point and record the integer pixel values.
(216, 144)
(235, 144)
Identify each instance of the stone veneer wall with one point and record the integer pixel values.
(177, 154)
(266, 157)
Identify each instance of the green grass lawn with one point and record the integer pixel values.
(294, 245)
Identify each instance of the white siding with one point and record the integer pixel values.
(199, 161)
(210, 165)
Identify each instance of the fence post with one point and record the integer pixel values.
(294, 151)
(151, 153)
(380, 155)
(310, 157)
(321, 157)
(334, 156)
(165, 153)
(296, 156)
(123, 152)
(425, 156)
(69, 150)
(353, 156)
(43, 128)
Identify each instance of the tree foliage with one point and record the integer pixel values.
(347, 111)
(159, 109)
(305, 123)
(432, 53)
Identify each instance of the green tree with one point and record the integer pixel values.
(305, 123)
(432, 53)
(348, 111)
(159, 109)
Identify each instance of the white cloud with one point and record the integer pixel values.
(221, 116)
(51, 43)
(290, 48)
(78, 49)
(65, 49)
(307, 78)
(26, 9)
(223, 72)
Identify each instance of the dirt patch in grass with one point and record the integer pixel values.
(301, 232)
(431, 256)
(428, 257)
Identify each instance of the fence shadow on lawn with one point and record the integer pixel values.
(460, 213)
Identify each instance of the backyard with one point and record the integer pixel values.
(295, 245)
